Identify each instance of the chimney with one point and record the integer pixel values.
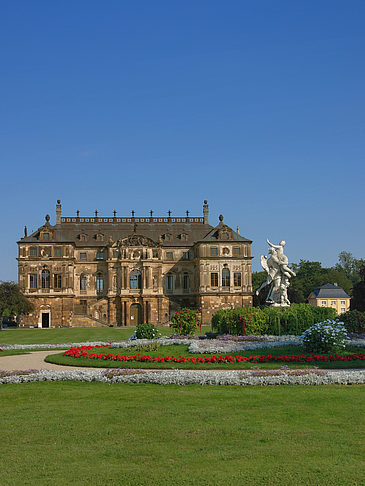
(206, 212)
(58, 212)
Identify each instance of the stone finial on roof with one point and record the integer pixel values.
(151, 213)
(132, 213)
(206, 212)
(58, 211)
(169, 213)
(115, 213)
(47, 218)
(25, 232)
(221, 218)
(96, 213)
(238, 230)
(77, 213)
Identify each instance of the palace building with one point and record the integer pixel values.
(126, 270)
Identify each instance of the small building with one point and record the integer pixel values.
(330, 295)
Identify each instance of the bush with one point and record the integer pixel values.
(146, 331)
(186, 321)
(296, 318)
(270, 320)
(248, 320)
(354, 321)
(146, 348)
(325, 337)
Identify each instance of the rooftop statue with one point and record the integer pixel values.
(279, 274)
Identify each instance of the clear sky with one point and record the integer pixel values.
(257, 106)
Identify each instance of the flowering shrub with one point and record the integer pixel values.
(186, 321)
(146, 331)
(325, 337)
(81, 352)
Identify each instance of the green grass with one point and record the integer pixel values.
(93, 433)
(73, 334)
(12, 352)
(182, 350)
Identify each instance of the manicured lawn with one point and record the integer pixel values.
(182, 350)
(94, 433)
(74, 334)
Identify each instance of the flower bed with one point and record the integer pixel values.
(81, 352)
(189, 377)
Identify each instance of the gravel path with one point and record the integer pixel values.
(33, 361)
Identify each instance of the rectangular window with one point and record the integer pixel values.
(99, 284)
(33, 281)
(45, 236)
(154, 253)
(214, 251)
(169, 255)
(33, 252)
(57, 281)
(169, 282)
(82, 256)
(236, 251)
(214, 279)
(237, 279)
(186, 282)
(185, 255)
(333, 302)
(100, 255)
(83, 283)
(115, 253)
(343, 302)
(58, 252)
(324, 302)
(343, 310)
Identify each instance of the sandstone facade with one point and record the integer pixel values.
(125, 270)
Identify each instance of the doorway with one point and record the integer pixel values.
(45, 319)
(136, 314)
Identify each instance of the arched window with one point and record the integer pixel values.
(45, 279)
(135, 279)
(226, 277)
(83, 283)
(99, 283)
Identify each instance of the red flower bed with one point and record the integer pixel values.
(80, 352)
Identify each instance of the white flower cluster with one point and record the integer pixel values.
(218, 346)
(326, 335)
(192, 377)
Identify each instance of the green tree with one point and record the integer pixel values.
(12, 301)
(358, 293)
(350, 266)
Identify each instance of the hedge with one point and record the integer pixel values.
(270, 320)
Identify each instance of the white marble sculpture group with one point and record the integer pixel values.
(279, 274)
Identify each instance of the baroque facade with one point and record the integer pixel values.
(126, 270)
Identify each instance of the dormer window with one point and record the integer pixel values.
(225, 233)
(99, 237)
(183, 237)
(167, 237)
(83, 237)
(45, 236)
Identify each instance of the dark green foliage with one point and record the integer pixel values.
(186, 321)
(354, 321)
(146, 331)
(12, 300)
(248, 320)
(358, 295)
(270, 320)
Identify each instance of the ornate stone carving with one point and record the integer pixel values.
(137, 240)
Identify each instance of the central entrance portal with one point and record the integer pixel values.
(136, 314)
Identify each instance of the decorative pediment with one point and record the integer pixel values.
(137, 240)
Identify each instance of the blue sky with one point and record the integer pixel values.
(257, 106)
